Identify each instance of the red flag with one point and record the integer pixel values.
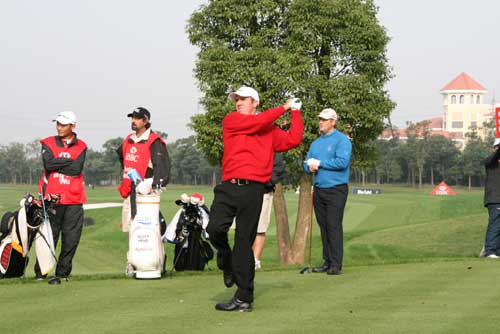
(497, 118)
(442, 189)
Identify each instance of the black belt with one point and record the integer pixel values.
(241, 182)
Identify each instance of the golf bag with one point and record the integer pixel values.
(146, 255)
(20, 229)
(187, 231)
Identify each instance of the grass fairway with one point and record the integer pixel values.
(410, 266)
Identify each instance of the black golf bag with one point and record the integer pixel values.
(192, 250)
(18, 230)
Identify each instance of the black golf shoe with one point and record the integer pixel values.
(57, 280)
(234, 305)
(333, 271)
(321, 269)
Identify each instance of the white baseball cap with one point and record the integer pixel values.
(496, 142)
(65, 117)
(328, 113)
(244, 91)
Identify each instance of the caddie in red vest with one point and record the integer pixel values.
(63, 159)
(146, 152)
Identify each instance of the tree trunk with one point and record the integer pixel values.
(214, 178)
(432, 175)
(419, 178)
(413, 177)
(282, 226)
(470, 180)
(293, 252)
(363, 176)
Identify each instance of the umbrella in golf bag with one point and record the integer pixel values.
(187, 232)
(20, 229)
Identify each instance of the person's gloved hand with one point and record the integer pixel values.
(296, 104)
(125, 187)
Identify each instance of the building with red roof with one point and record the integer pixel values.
(463, 107)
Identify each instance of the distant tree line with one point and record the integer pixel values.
(427, 159)
(420, 159)
(22, 163)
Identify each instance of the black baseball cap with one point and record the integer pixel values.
(140, 112)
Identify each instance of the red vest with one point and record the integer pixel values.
(71, 188)
(137, 155)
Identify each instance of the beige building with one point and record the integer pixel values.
(464, 106)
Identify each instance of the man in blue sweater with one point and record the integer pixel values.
(329, 159)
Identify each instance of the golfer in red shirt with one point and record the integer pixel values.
(250, 140)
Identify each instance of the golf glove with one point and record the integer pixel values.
(312, 161)
(125, 187)
(296, 104)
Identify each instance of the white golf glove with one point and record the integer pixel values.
(296, 104)
(313, 162)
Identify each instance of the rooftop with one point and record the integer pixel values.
(463, 82)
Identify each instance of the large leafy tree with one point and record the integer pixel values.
(326, 52)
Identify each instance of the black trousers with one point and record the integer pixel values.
(243, 202)
(68, 222)
(329, 205)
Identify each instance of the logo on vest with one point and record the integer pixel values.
(131, 156)
(63, 179)
(64, 155)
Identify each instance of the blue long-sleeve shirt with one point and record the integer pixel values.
(334, 152)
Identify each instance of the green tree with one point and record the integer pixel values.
(328, 53)
(110, 164)
(409, 152)
(442, 152)
(189, 165)
(474, 152)
(15, 162)
(387, 163)
(34, 161)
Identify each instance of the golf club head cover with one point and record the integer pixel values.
(197, 199)
(125, 187)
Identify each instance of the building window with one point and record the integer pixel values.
(473, 124)
(457, 124)
(462, 99)
(453, 99)
(478, 99)
(472, 99)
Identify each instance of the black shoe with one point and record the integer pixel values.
(333, 271)
(54, 281)
(228, 278)
(234, 305)
(321, 269)
(57, 280)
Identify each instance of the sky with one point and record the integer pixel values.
(101, 59)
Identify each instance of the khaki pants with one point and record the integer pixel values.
(265, 213)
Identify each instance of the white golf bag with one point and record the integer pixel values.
(23, 228)
(146, 255)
